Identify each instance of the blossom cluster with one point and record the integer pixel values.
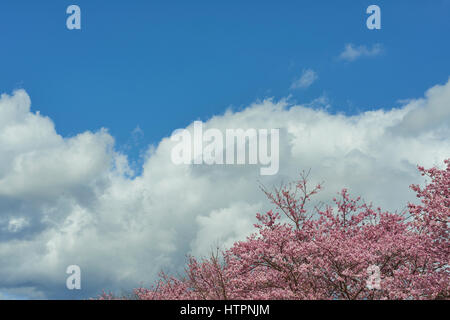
(299, 253)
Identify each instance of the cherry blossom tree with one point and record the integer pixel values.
(335, 252)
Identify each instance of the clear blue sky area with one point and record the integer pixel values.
(160, 65)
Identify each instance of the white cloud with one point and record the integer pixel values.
(74, 201)
(352, 52)
(17, 224)
(307, 78)
(224, 226)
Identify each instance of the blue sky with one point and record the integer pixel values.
(160, 65)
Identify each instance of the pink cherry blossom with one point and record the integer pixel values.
(299, 253)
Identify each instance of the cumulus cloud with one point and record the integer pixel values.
(352, 52)
(75, 200)
(307, 78)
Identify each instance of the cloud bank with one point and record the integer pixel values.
(75, 200)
